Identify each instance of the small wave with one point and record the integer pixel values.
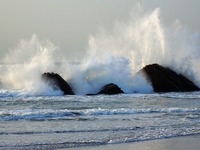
(180, 95)
(34, 146)
(73, 131)
(31, 114)
(137, 111)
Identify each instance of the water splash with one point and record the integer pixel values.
(143, 40)
(26, 63)
(113, 56)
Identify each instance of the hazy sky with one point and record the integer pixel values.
(68, 23)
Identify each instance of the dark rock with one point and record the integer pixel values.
(110, 89)
(57, 82)
(91, 94)
(166, 80)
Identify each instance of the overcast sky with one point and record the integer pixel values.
(68, 23)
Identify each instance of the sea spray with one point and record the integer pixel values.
(143, 40)
(26, 63)
(113, 56)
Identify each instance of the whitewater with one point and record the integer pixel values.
(36, 116)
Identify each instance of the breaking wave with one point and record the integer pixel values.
(29, 114)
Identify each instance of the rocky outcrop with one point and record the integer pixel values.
(161, 78)
(166, 80)
(110, 89)
(57, 82)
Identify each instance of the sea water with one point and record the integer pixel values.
(36, 116)
(46, 122)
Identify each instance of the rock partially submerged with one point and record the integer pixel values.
(57, 82)
(110, 89)
(166, 80)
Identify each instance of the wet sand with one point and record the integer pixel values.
(175, 143)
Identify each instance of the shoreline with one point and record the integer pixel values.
(190, 142)
(187, 142)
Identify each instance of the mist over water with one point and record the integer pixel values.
(112, 56)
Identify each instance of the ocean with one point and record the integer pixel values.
(52, 122)
(36, 116)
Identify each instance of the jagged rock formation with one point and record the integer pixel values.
(57, 82)
(166, 80)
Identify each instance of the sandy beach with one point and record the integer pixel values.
(175, 143)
